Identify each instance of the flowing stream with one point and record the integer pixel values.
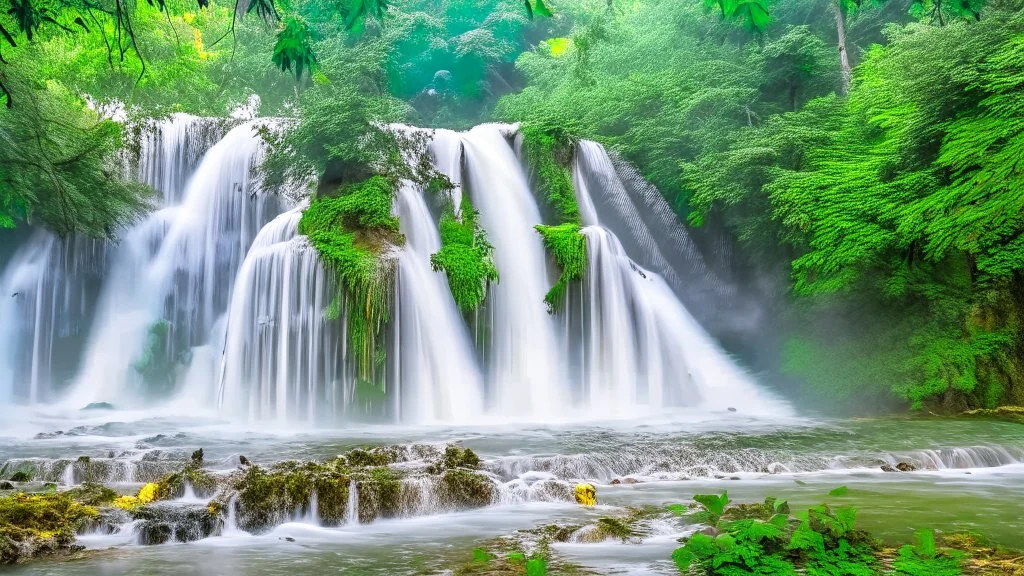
(212, 323)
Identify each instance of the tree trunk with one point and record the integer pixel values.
(844, 57)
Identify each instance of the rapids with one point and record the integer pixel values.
(970, 473)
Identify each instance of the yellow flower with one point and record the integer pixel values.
(586, 494)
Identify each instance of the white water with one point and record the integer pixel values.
(526, 376)
(281, 360)
(352, 507)
(177, 266)
(243, 298)
(439, 375)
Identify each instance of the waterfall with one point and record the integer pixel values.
(641, 346)
(526, 376)
(46, 294)
(352, 507)
(281, 361)
(440, 378)
(171, 285)
(216, 300)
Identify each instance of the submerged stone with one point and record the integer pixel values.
(99, 406)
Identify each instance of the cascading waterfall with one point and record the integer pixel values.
(281, 360)
(439, 374)
(46, 294)
(526, 377)
(218, 284)
(182, 287)
(352, 507)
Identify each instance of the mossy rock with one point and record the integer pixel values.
(162, 523)
(93, 494)
(1008, 413)
(455, 457)
(381, 456)
(37, 524)
(173, 485)
(462, 489)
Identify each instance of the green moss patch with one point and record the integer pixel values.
(35, 524)
(568, 247)
(351, 229)
(549, 152)
(466, 257)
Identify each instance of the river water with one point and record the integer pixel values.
(969, 477)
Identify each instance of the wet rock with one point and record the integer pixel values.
(731, 409)
(616, 482)
(5, 485)
(21, 476)
(39, 524)
(906, 467)
(243, 460)
(887, 468)
(166, 522)
(465, 489)
(48, 435)
(288, 539)
(426, 480)
(709, 531)
(93, 494)
(197, 457)
(99, 406)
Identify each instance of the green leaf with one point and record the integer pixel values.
(714, 504)
(541, 9)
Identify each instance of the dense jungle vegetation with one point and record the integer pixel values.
(856, 166)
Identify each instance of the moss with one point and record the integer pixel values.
(549, 152)
(173, 485)
(1008, 413)
(373, 457)
(350, 230)
(462, 488)
(379, 494)
(34, 524)
(466, 257)
(21, 476)
(568, 246)
(92, 494)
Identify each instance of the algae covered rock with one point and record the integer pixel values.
(465, 489)
(166, 522)
(387, 482)
(37, 524)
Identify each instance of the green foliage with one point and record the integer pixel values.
(568, 246)
(350, 230)
(925, 559)
(157, 364)
(548, 152)
(752, 14)
(765, 540)
(56, 156)
(465, 257)
(293, 50)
